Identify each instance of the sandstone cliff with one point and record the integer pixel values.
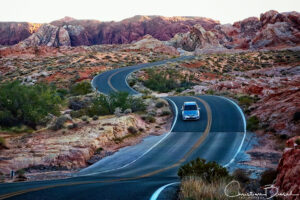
(48, 35)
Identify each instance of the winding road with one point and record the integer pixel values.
(144, 170)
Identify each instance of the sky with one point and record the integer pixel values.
(226, 11)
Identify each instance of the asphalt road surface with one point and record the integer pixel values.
(152, 164)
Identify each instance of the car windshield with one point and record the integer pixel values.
(190, 107)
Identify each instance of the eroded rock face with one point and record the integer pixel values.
(67, 149)
(196, 38)
(280, 33)
(92, 32)
(48, 35)
(288, 178)
(151, 44)
(13, 32)
(273, 29)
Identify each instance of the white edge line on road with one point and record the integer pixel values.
(174, 122)
(159, 190)
(245, 130)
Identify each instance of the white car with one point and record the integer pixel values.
(190, 111)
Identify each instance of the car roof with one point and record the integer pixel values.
(190, 103)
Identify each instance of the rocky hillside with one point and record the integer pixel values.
(272, 29)
(91, 32)
(13, 32)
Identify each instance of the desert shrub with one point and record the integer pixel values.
(195, 188)
(76, 104)
(208, 171)
(23, 104)
(296, 116)
(77, 113)
(81, 88)
(136, 104)
(267, 177)
(165, 113)
(99, 150)
(84, 118)
(59, 123)
(127, 111)
(246, 100)
(160, 104)
(2, 143)
(253, 123)
(21, 175)
(149, 119)
(72, 126)
(241, 176)
(165, 81)
(95, 117)
(105, 105)
(210, 92)
(62, 92)
(132, 130)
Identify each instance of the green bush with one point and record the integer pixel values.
(246, 100)
(105, 105)
(81, 88)
(208, 171)
(149, 119)
(29, 105)
(2, 143)
(160, 104)
(253, 123)
(165, 113)
(165, 81)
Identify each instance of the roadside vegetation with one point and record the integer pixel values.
(27, 105)
(203, 180)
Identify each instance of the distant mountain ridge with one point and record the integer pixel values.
(92, 32)
(272, 29)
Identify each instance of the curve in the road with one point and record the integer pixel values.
(216, 137)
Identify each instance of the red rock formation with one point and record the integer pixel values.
(273, 29)
(89, 32)
(13, 32)
(288, 178)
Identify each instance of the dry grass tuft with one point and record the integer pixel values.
(195, 188)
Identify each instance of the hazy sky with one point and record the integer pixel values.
(226, 11)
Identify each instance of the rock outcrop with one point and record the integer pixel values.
(288, 178)
(13, 32)
(48, 35)
(66, 149)
(272, 30)
(92, 32)
(155, 45)
(196, 38)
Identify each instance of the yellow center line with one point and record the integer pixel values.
(185, 157)
(109, 81)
